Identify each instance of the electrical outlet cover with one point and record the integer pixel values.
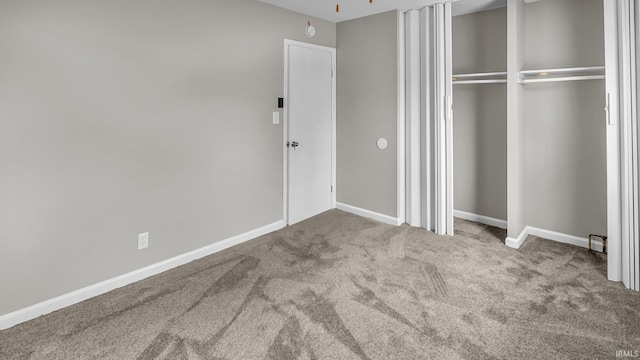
(143, 241)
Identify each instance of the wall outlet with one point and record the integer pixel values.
(143, 241)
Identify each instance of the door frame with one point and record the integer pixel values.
(285, 124)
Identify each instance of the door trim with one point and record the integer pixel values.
(285, 124)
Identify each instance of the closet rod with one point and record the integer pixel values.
(480, 75)
(566, 78)
(576, 70)
(494, 81)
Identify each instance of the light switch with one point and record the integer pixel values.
(276, 117)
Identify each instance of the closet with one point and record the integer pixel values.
(556, 135)
(529, 127)
(479, 63)
(562, 99)
(542, 132)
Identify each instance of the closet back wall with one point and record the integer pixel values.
(480, 115)
(565, 169)
(119, 117)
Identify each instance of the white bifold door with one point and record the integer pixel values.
(429, 119)
(622, 57)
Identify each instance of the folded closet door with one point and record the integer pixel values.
(429, 139)
(622, 31)
(636, 245)
(629, 143)
(412, 121)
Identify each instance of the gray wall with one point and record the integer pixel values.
(366, 111)
(564, 33)
(121, 117)
(565, 169)
(479, 42)
(480, 115)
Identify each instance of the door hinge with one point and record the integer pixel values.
(331, 188)
(331, 72)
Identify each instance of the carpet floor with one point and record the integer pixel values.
(339, 286)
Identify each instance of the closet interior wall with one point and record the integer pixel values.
(479, 45)
(564, 122)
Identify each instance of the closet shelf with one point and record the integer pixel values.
(480, 78)
(561, 74)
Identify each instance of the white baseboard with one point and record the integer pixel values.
(517, 242)
(369, 214)
(554, 236)
(502, 224)
(564, 238)
(74, 297)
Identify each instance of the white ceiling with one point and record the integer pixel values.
(352, 9)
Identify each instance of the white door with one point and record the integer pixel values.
(622, 51)
(309, 129)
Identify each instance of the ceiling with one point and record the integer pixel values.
(352, 9)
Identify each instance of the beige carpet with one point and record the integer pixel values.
(339, 286)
